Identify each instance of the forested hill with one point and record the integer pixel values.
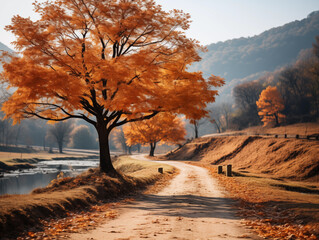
(277, 47)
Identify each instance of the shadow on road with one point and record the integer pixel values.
(190, 206)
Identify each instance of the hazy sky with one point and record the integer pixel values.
(213, 20)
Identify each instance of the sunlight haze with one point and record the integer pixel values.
(213, 20)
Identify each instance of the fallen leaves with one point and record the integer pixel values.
(268, 220)
(59, 228)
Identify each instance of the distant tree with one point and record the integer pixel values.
(61, 132)
(120, 140)
(196, 124)
(220, 116)
(316, 47)
(246, 95)
(294, 86)
(164, 128)
(82, 138)
(270, 105)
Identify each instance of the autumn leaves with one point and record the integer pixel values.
(107, 62)
(270, 105)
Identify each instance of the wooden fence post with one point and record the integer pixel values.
(160, 170)
(220, 169)
(229, 171)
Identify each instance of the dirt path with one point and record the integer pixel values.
(191, 207)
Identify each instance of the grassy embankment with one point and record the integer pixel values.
(275, 208)
(276, 181)
(90, 190)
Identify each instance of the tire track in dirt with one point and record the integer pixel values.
(191, 207)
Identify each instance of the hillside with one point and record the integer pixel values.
(250, 57)
(281, 158)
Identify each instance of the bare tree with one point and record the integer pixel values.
(61, 133)
(120, 141)
(196, 125)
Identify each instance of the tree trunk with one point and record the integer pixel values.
(276, 119)
(196, 129)
(217, 126)
(60, 145)
(105, 155)
(129, 150)
(152, 148)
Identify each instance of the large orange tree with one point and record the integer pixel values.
(109, 62)
(163, 128)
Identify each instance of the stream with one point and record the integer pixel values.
(23, 182)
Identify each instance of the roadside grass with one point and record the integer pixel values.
(70, 204)
(293, 129)
(274, 208)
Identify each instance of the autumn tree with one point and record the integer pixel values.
(107, 62)
(61, 133)
(163, 128)
(270, 105)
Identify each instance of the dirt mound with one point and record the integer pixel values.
(283, 158)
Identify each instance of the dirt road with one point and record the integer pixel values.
(191, 207)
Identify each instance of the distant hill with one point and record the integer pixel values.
(250, 57)
(4, 48)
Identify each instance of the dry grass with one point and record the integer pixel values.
(294, 129)
(66, 194)
(271, 210)
(279, 158)
(276, 181)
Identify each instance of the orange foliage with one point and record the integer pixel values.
(163, 128)
(105, 61)
(270, 104)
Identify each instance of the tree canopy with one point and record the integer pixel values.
(270, 104)
(163, 128)
(108, 62)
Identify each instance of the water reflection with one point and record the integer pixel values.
(23, 182)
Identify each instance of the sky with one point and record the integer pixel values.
(213, 20)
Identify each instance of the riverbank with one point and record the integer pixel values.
(26, 158)
(62, 196)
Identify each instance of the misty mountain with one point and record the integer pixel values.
(246, 59)
(5, 48)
